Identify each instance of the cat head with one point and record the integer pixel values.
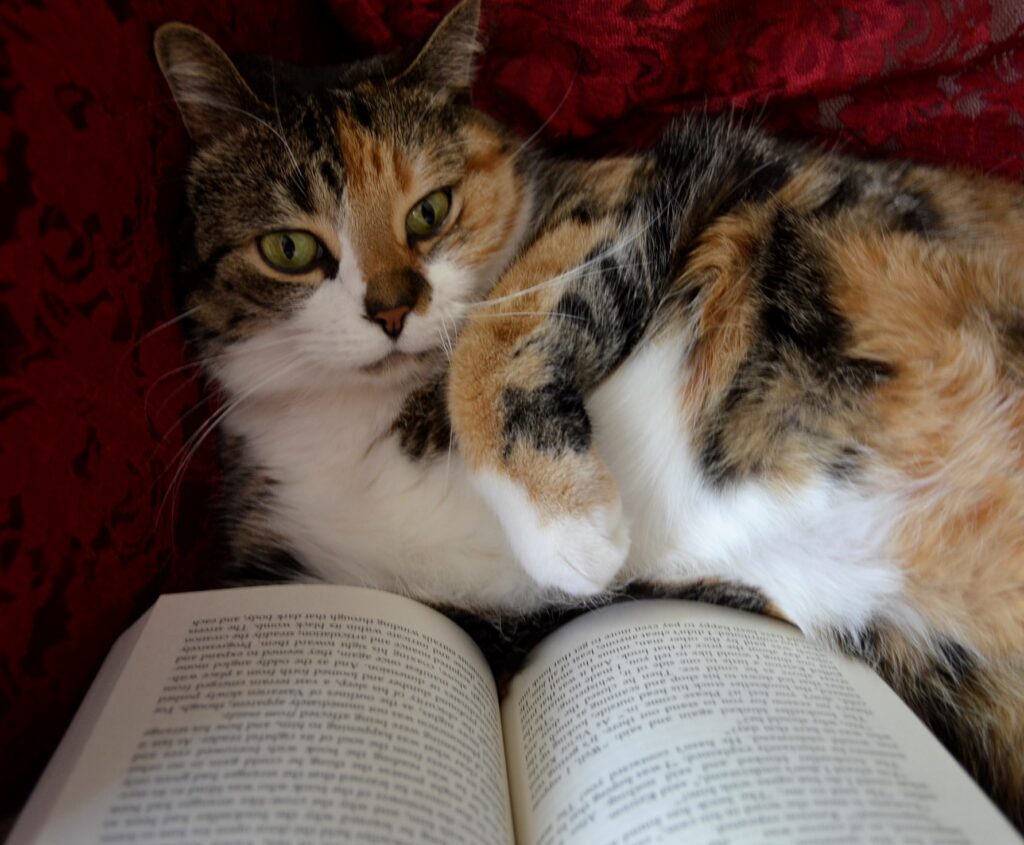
(343, 221)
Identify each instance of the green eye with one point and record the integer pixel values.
(290, 252)
(428, 214)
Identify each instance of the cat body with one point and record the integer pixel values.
(457, 369)
(418, 526)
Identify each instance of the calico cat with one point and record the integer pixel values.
(729, 367)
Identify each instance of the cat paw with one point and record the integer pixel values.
(578, 553)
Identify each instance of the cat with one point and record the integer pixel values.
(730, 367)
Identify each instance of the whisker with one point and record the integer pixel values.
(449, 344)
(448, 460)
(565, 97)
(584, 269)
(192, 365)
(296, 172)
(184, 315)
(444, 345)
(449, 349)
(559, 314)
(191, 446)
(207, 362)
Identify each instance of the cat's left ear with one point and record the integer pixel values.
(446, 61)
(211, 94)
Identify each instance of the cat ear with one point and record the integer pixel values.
(211, 94)
(446, 61)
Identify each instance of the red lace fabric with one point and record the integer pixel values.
(98, 407)
(938, 82)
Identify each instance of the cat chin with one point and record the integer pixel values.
(395, 372)
(399, 368)
(395, 362)
(399, 372)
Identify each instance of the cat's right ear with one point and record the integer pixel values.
(446, 61)
(210, 93)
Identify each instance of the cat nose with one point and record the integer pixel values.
(391, 295)
(391, 320)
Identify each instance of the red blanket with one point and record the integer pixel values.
(98, 408)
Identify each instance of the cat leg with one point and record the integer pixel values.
(520, 373)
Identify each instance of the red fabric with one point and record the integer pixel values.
(95, 409)
(95, 412)
(935, 81)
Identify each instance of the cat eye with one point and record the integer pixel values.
(428, 214)
(290, 252)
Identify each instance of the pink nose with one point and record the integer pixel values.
(391, 320)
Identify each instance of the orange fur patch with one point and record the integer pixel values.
(484, 366)
(950, 423)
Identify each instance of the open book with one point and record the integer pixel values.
(332, 714)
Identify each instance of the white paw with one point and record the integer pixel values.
(578, 554)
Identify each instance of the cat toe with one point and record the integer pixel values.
(581, 555)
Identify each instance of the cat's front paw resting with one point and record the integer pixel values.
(577, 552)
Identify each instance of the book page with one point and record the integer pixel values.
(665, 721)
(287, 715)
(44, 797)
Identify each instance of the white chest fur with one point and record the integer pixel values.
(358, 511)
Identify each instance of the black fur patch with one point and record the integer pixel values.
(205, 270)
(299, 190)
(574, 309)
(330, 176)
(801, 337)
(847, 192)
(268, 566)
(956, 665)
(1011, 333)
(704, 169)
(582, 213)
(724, 593)
(615, 300)
(714, 457)
(507, 640)
(359, 108)
(793, 287)
(550, 418)
(912, 211)
(423, 427)
(310, 127)
(633, 303)
(596, 323)
(846, 463)
(761, 177)
(797, 314)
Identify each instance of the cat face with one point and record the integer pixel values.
(342, 230)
